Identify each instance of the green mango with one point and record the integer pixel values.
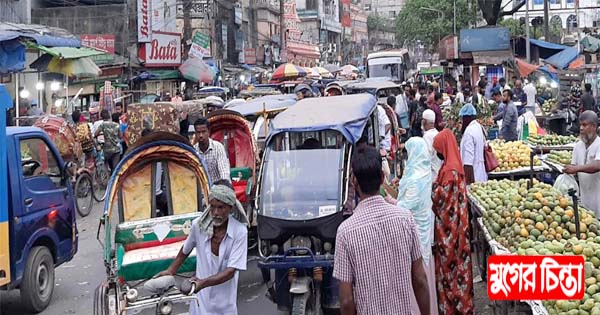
(592, 289)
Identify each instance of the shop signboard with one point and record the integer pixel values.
(102, 42)
(200, 46)
(144, 21)
(250, 56)
(224, 38)
(484, 39)
(163, 51)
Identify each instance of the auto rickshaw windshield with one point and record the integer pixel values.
(302, 174)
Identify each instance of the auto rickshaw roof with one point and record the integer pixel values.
(14, 130)
(268, 103)
(347, 114)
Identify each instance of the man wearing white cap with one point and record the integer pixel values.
(472, 145)
(429, 133)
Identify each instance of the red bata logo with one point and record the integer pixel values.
(512, 277)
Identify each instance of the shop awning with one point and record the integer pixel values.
(304, 50)
(158, 75)
(43, 35)
(564, 58)
(67, 52)
(491, 57)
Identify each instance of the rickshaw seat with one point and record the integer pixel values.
(141, 254)
(245, 172)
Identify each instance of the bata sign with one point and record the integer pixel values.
(163, 50)
(144, 18)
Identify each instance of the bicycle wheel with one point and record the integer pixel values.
(84, 195)
(101, 177)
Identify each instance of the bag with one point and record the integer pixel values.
(491, 162)
(84, 136)
(489, 158)
(564, 182)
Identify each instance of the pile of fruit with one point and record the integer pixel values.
(540, 221)
(551, 140)
(515, 214)
(512, 155)
(560, 157)
(549, 105)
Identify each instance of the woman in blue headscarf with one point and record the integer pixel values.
(414, 194)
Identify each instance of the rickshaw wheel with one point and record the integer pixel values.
(100, 300)
(101, 178)
(84, 195)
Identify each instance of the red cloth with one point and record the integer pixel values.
(445, 143)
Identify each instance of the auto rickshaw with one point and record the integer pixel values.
(302, 190)
(382, 89)
(142, 237)
(260, 111)
(214, 91)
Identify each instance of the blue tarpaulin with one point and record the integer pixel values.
(347, 114)
(41, 39)
(547, 45)
(12, 56)
(545, 69)
(564, 58)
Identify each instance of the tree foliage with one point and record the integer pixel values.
(379, 23)
(514, 26)
(413, 23)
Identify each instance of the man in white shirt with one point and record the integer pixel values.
(402, 110)
(429, 133)
(472, 145)
(220, 241)
(530, 91)
(586, 161)
(385, 127)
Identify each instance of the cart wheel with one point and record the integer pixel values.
(84, 195)
(101, 177)
(100, 300)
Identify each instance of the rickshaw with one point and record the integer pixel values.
(160, 116)
(260, 90)
(233, 131)
(302, 189)
(381, 89)
(142, 237)
(90, 181)
(260, 111)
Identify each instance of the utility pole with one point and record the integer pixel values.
(282, 29)
(546, 28)
(454, 17)
(527, 48)
(187, 26)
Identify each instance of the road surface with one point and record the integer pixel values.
(77, 280)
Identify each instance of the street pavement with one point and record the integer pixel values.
(77, 280)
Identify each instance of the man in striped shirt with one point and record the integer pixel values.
(377, 256)
(213, 152)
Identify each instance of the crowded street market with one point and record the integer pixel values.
(195, 167)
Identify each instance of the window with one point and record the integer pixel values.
(38, 160)
(392, 14)
(571, 22)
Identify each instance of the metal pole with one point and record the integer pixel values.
(527, 48)
(546, 28)
(281, 29)
(17, 99)
(454, 19)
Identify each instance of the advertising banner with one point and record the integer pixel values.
(163, 51)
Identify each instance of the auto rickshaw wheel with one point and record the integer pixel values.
(303, 304)
(38, 280)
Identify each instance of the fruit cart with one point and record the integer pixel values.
(516, 218)
(516, 159)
